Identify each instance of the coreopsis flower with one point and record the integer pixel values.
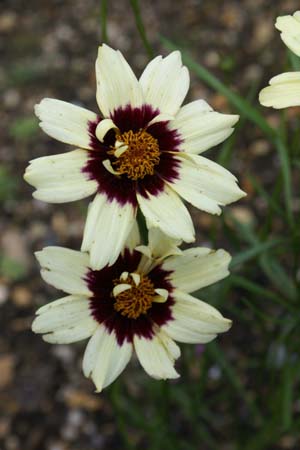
(140, 304)
(142, 151)
(284, 89)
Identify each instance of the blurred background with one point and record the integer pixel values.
(240, 392)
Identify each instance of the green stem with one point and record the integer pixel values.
(140, 26)
(103, 20)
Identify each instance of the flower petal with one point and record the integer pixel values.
(165, 83)
(61, 313)
(157, 355)
(65, 320)
(72, 333)
(117, 85)
(194, 321)
(107, 227)
(201, 128)
(205, 184)
(161, 245)
(104, 359)
(64, 269)
(197, 267)
(290, 31)
(284, 91)
(167, 212)
(65, 122)
(134, 237)
(59, 178)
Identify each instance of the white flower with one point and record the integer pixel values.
(143, 152)
(141, 303)
(284, 89)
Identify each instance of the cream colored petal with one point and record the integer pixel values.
(72, 332)
(61, 313)
(65, 122)
(197, 267)
(165, 83)
(161, 245)
(104, 358)
(201, 128)
(107, 227)
(284, 91)
(133, 238)
(157, 355)
(205, 184)
(59, 178)
(64, 269)
(290, 31)
(194, 321)
(167, 212)
(117, 85)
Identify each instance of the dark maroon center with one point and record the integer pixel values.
(121, 187)
(100, 282)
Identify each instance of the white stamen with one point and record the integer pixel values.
(136, 278)
(107, 164)
(103, 127)
(161, 118)
(120, 151)
(162, 295)
(121, 288)
(124, 276)
(119, 143)
(144, 249)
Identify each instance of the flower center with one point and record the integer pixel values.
(139, 156)
(133, 294)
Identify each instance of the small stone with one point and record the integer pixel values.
(63, 352)
(242, 214)
(4, 427)
(15, 247)
(7, 21)
(3, 293)
(22, 297)
(211, 59)
(7, 366)
(21, 324)
(260, 147)
(12, 443)
(60, 224)
(11, 98)
(81, 399)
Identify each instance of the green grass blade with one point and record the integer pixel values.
(278, 277)
(270, 200)
(103, 20)
(140, 26)
(254, 251)
(283, 155)
(259, 291)
(219, 356)
(294, 60)
(287, 397)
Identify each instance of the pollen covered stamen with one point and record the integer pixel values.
(137, 300)
(137, 156)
